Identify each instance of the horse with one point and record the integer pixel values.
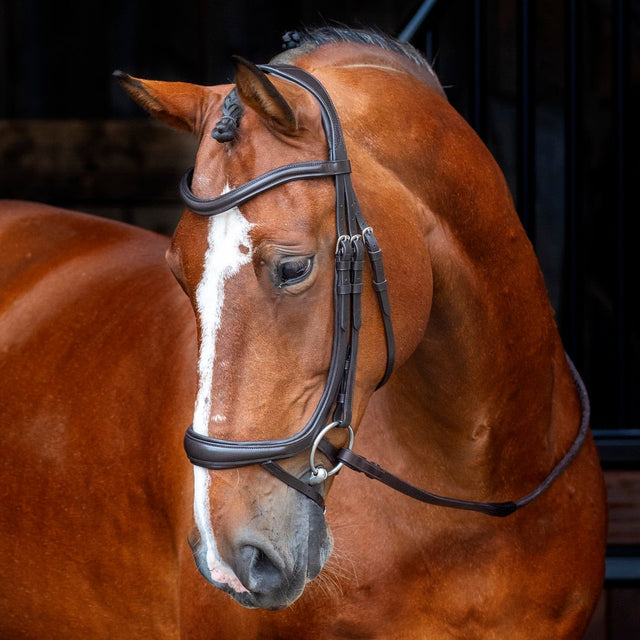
(360, 297)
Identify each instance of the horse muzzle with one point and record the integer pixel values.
(268, 569)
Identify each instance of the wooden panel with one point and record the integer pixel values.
(105, 160)
(127, 170)
(623, 488)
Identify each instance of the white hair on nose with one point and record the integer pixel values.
(229, 247)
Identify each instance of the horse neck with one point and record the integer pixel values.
(480, 385)
(479, 391)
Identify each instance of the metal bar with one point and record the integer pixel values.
(618, 448)
(623, 566)
(620, 59)
(526, 117)
(6, 59)
(414, 24)
(572, 176)
(430, 46)
(478, 104)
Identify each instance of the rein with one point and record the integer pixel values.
(333, 411)
(498, 509)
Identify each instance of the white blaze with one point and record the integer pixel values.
(229, 247)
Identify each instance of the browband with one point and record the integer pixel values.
(273, 178)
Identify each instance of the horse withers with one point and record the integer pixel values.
(364, 295)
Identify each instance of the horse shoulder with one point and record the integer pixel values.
(97, 358)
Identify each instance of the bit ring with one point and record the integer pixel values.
(318, 473)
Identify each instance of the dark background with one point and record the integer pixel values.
(70, 136)
(552, 86)
(58, 55)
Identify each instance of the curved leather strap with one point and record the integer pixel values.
(295, 483)
(268, 180)
(381, 289)
(330, 119)
(497, 509)
(376, 472)
(346, 193)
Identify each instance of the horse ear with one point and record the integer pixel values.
(179, 104)
(260, 94)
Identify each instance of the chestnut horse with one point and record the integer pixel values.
(103, 359)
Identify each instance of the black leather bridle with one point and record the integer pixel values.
(353, 238)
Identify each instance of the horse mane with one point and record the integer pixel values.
(298, 43)
(316, 37)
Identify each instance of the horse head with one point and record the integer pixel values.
(261, 276)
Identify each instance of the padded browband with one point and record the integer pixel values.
(268, 180)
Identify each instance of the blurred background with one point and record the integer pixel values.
(552, 87)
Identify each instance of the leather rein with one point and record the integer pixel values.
(354, 238)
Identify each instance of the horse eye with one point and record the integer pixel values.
(293, 270)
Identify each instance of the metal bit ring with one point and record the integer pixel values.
(318, 473)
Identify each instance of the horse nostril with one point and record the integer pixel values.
(257, 571)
